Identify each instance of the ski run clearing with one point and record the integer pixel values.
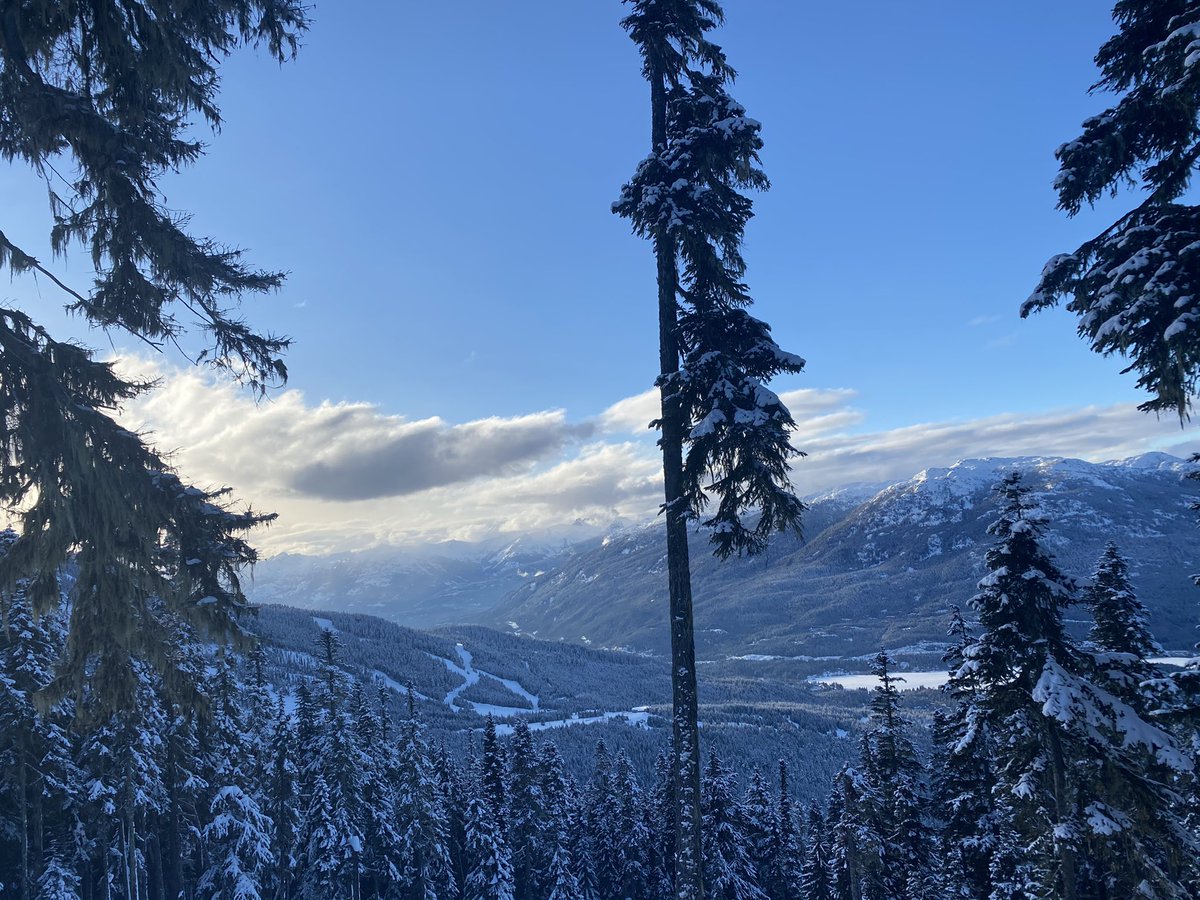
(465, 669)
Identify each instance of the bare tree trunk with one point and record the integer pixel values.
(689, 872)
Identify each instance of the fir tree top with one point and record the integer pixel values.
(1136, 286)
(1120, 619)
(1021, 598)
(687, 196)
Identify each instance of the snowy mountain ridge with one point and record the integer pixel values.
(906, 550)
(884, 570)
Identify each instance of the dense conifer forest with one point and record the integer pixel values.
(1058, 768)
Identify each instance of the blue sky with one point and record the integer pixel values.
(437, 180)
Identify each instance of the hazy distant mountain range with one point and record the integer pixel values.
(879, 565)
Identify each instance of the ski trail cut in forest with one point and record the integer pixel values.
(470, 675)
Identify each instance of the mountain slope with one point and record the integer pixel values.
(421, 587)
(571, 695)
(880, 572)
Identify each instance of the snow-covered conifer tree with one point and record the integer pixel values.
(894, 773)
(236, 833)
(1075, 767)
(1136, 285)
(855, 847)
(962, 777)
(631, 837)
(453, 789)
(729, 873)
(555, 854)
(781, 876)
(331, 839)
(815, 880)
(281, 800)
(420, 817)
(526, 811)
(600, 821)
(490, 876)
(661, 806)
(493, 775)
(37, 773)
(725, 436)
(761, 828)
(376, 762)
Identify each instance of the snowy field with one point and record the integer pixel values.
(911, 681)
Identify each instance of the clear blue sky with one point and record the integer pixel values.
(437, 179)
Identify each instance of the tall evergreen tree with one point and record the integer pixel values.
(1136, 285)
(1120, 640)
(112, 90)
(493, 775)
(1020, 605)
(377, 763)
(729, 871)
(723, 433)
(452, 789)
(662, 826)
(782, 876)
(122, 762)
(894, 773)
(490, 876)
(526, 812)
(332, 838)
(762, 828)
(281, 799)
(555, 854)
(855, 849)
(1130, 845)
(631, 836)
(38, 780)
(962, 776)
(236, 832)
(600, 811)
(815, 883)
(424, 843)
(1075, 767)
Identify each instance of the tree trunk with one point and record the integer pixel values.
(22, 792)
(173, 843)
(689, 882)
(1066, 853)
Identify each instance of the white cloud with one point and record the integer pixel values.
(345, 476)
(632, 415)
(339, 452)
(1093, 433)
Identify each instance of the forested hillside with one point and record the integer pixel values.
(883, 571)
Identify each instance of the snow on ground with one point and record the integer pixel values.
(466, 672)
(763, 657)
(498, 712)
(515, 686)
(637, 718)
(1180, 661)
(470, 675)
(914, 680)
(911, 680)
(389, 682)
(324, 624)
